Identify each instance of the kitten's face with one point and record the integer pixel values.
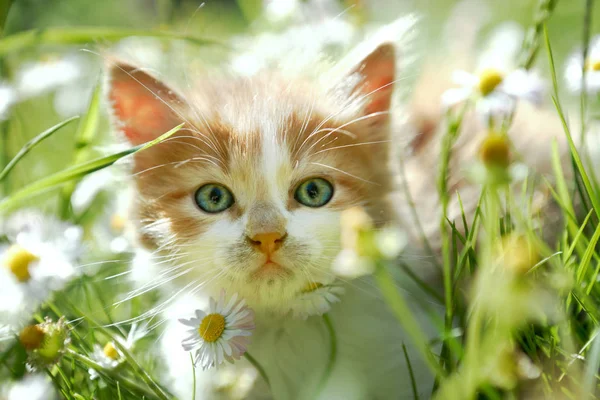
(248, 195)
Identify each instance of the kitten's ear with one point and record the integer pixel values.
(142, 106)
(376, 81)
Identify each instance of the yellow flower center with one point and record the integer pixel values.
(489, 79)
(592, 65)
(31, 337)
(311, 287)
(117, 223)
(212, 327)
(18, 260)
(110, 351)
(495, 151)
(519, 254)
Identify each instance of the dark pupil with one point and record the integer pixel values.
(312, 190)
(215, 195)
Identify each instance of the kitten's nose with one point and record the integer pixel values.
(268, 243)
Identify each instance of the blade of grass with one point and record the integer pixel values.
(31, 144)
(576, 239)
(83, 138)
(81, 35)
(574, 153)
(587, 256)
(405, 316)
(75, 172)
(413, 382)
(4, 9)
(593, 362)
(332, 355)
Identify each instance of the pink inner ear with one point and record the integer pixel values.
(381, 91)
(142, 114)
(378, 71)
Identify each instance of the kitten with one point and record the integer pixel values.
(256, 141)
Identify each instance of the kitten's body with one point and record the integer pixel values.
(261, 136)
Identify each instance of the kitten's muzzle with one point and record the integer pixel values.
(267, 243)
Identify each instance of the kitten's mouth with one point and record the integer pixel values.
(270, 269)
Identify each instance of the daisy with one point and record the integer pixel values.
(495, 90)
(497, 84)
(8, 97)
(109, 232)
(576, 66)
(222, 334)
(315, 299)
(38, 259)
(363, 245)
(109, 356)
(36, 78)
(32, 387)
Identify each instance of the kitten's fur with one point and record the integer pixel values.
(260, 136)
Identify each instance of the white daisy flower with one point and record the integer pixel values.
(8, 96)
(497, 84)
(32, 387)
(38, 259)
(315, 299)
(109, 356)
(390, 241)
(575, 67)
(109, 232)
(222, 334)
(495, 90)
(278, 10)
(40, 77)
(350, 264)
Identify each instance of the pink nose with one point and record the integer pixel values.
(268, 243)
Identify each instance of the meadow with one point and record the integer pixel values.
(519, 276)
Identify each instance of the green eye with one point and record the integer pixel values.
(314, 192)
(214, 198)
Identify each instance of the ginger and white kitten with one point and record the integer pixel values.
(258, 229)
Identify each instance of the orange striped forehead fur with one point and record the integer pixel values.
(233, 125)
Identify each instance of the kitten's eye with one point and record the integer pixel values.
(214, 198)
(314, 192)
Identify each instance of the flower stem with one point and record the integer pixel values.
(193, 377)
(533, 38)
(159, 392)
(405, 317)
(587, 23)
(446, 151)
(258, 367)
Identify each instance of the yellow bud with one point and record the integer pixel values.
(489, 79)
(311, 287)
(117, 223)
(354, 222)
(31, 337)
(495, 150)
(18, 260)
(517, 253)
